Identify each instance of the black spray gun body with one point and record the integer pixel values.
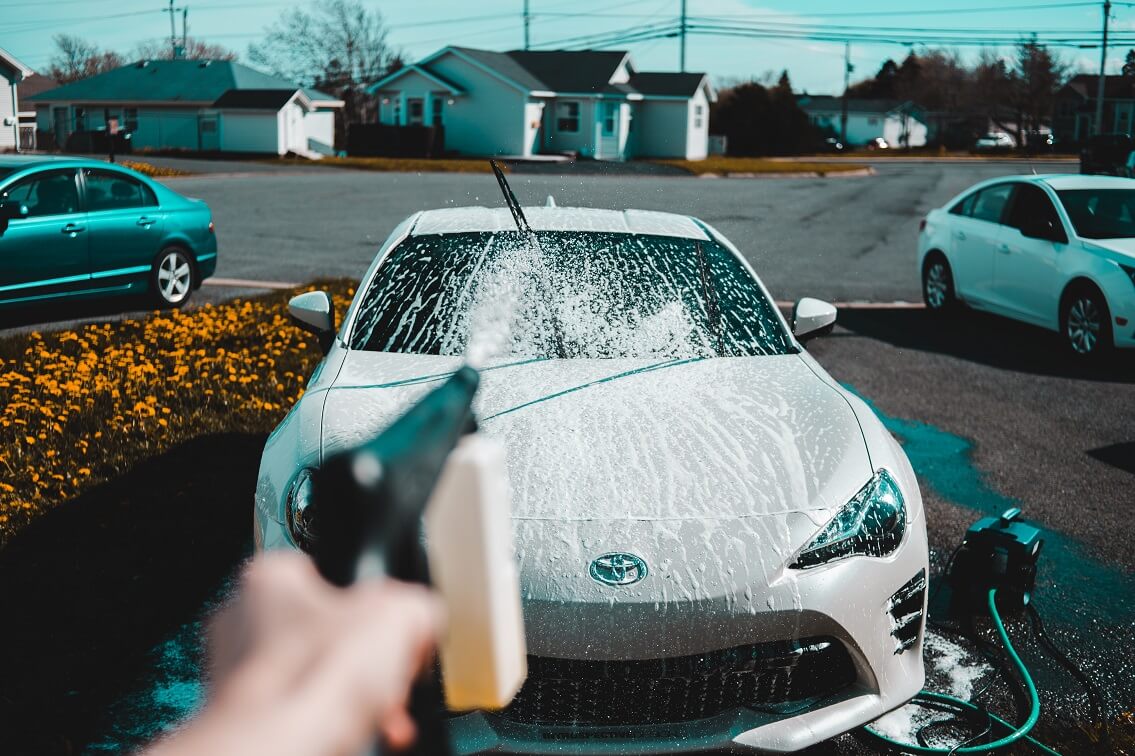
(370, 501)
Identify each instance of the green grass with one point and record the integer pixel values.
(725, 166)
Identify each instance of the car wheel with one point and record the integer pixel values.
(171, 280)
(938, 284)
(1085, 322)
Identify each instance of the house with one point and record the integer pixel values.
(199, 105)
(1075, 107)
(900, 124)
(12, 72)
(524, 103)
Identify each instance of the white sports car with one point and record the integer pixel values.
(718, 545)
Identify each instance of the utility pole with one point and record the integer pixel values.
(527, 20)
(1103, 64)
(847, 68)
(682, 38)
(184, 30)
(172, 29)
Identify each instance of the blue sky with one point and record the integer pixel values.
(419, 27)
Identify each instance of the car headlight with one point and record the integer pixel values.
(1129, 270)
(871, 524)
(299, 511)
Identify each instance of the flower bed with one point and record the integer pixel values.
(83, 406)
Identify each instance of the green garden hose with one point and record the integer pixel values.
(1017, 733)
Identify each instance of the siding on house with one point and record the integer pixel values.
(8, 134)
(494, 117)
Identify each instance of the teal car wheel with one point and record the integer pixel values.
(171, 281)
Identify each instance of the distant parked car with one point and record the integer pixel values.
(831, 144)
(1106, 153)
(878, 143)
(994, 141)
(1057, 251)
(84, 228)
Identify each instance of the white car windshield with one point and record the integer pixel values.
(1101, 213)
(575, 294)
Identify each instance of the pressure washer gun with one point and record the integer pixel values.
(371, 501)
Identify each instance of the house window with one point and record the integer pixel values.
(436, 114)
(872, 121)
(131, 121)
(397, 120)
(699, 116)
(567, 116)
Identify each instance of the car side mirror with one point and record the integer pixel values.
(812, 318)
(314, 313)
(1039, 228)
(11, 210)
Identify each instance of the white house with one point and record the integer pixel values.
(12, 72)
(899, 123)
(524, 103)
(198, 105)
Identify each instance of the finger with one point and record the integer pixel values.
(398, 730)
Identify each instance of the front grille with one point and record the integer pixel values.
(680, 689)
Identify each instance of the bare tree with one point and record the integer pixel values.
(195, 49)
(75, 58)
(338, 46)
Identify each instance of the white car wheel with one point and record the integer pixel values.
(172, 278)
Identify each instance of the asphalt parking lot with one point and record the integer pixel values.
(990, 412)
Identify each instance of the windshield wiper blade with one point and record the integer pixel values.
(709, 292)
(525, 229)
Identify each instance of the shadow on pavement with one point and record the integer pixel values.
(1121, 456)
(89, 588)
(987, 339)
(83, 309)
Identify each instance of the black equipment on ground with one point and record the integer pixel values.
(998, 552)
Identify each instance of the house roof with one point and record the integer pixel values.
(552, 72)
(188, 81)
(1115, 87)
(570, 70)
(667, 84)
(10, 62)
(255, 99)
(34, 84)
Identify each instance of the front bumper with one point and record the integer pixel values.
(849, 601)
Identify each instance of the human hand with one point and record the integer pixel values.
(299, 666)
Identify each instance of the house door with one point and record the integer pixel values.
(607, 147)
(59, 126)
(208, 133)
(415, 111)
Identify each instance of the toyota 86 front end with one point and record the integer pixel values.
(719, 546)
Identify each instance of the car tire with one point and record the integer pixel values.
(172, 277)
(938, 284)
(1085, 322)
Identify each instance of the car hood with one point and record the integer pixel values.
(1121, 250)
(639, 441)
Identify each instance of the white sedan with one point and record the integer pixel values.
(719, 546)
(1056, 251)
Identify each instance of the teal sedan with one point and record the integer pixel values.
(72, 228)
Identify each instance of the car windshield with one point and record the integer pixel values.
(1100, 213)
(576, 294)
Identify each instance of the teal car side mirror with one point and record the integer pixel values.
(11, 210)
